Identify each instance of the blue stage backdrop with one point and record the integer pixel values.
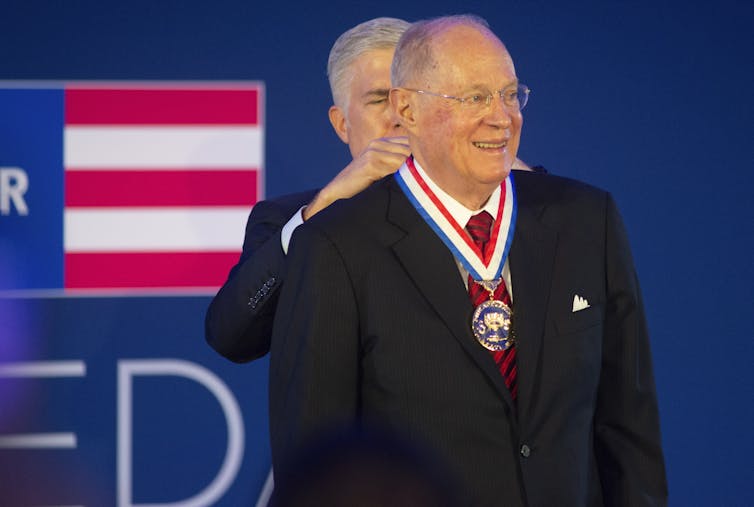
(111, 397)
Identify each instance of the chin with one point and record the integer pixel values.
(497, 173)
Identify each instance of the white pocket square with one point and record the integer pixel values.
(579, 303)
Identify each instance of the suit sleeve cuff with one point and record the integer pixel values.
(287, 232)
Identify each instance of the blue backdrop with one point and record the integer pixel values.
(650, 100)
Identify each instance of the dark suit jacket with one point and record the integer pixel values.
(373, 327)
(238, 323)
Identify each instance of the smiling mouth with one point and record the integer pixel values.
(490, 146)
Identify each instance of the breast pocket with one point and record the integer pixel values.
(576, 352)
(580, 320)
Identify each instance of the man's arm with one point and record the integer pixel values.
(314, 360)
(627, 429)
(238, 323)
(381, 157)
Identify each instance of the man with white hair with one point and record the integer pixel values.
(239, 319)
(530, 373)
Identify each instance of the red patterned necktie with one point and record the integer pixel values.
(479, 229)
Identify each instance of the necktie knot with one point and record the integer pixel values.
(478, 228)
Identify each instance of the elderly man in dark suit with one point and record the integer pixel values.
(529, 373)
(239, 319)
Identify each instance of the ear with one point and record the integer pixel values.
(403, 108)
(338, 122)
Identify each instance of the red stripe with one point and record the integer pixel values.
(441, 207)
(510, 380)
(496, 227)
(159, 269)
(86, 106)
(161, 188)
(507, 357)
(477, 293)
(501, 293)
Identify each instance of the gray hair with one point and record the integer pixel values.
(378, 33)
(413, 54)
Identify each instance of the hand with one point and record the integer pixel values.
(381, 157)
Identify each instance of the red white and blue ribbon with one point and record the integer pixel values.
(487, 265)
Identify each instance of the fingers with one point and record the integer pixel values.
(396, 139)
(397, 144)
(383, 156)
(380, 158)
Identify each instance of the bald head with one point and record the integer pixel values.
(418, 51)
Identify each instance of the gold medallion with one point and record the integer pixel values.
(491, 324)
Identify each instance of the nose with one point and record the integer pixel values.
(499, 114)
(391, 124)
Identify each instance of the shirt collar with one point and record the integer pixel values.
(460, 213)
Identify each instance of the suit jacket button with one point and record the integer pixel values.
(525, 451)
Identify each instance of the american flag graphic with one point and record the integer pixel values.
(159, 180)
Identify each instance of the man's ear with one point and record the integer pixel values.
(403, 109)
(338, 122)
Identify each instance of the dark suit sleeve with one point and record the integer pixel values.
(314, 360)
(627, 432)
(239, 319)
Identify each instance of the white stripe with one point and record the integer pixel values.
(162, 169)
(440, 220)
(267, 489)
(443, 223)
(160, 147)
(195, 229)
(95, 84)
(38, 441)
(489, 272)
(505, 224)
(43, 369)
(120, 292)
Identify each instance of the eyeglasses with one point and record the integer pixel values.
(477, 103)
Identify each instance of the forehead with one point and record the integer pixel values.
(371, 69)
(489, 63)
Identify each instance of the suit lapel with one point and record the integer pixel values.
(531, 262)
(438, 279)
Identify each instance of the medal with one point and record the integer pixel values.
(491, 322)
